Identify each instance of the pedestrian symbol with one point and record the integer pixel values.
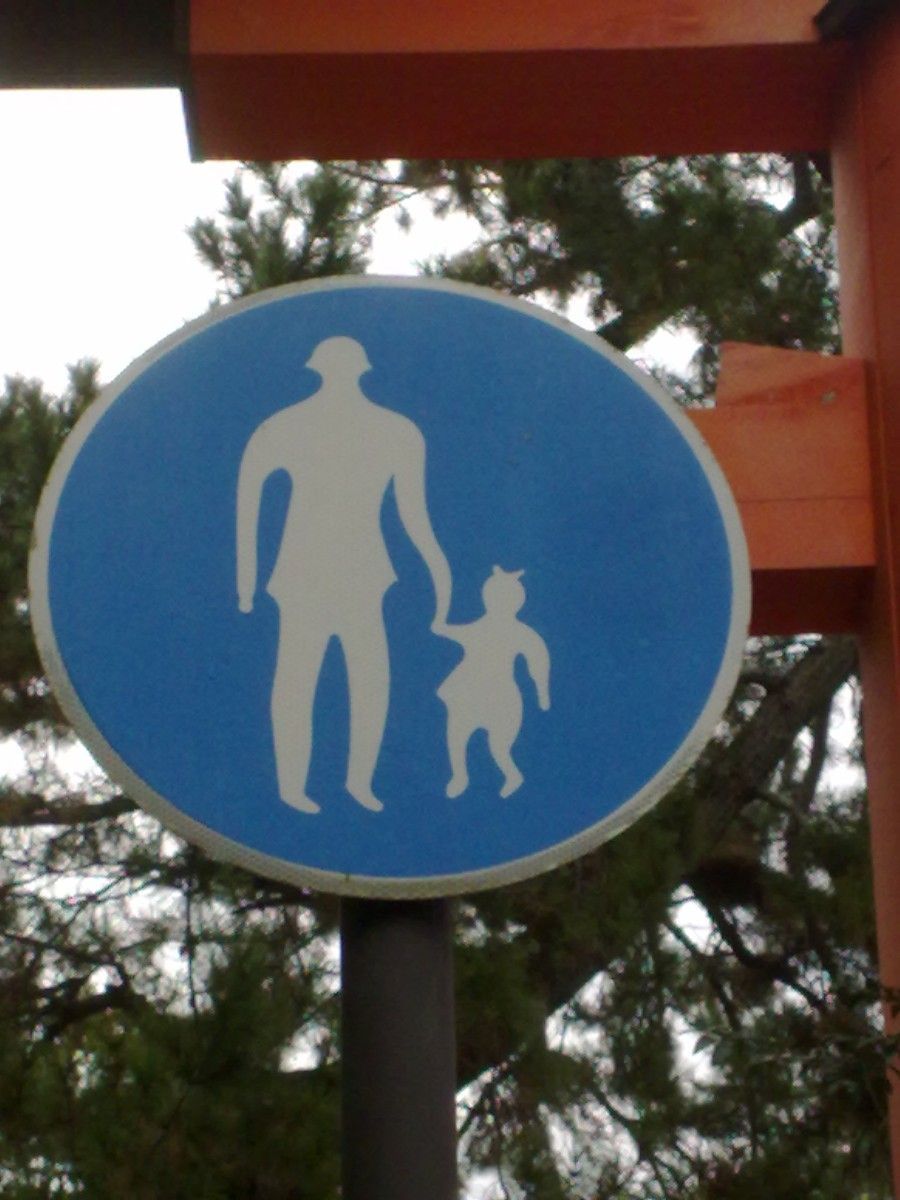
(392, 587)
(342, 454)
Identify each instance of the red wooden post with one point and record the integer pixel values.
(866, 154)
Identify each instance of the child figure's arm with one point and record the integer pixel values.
(537, 659)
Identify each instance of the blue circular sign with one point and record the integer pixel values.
(390, 587)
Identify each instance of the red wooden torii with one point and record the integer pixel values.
(811, 444)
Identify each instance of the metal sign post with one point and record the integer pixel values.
(398, 1050)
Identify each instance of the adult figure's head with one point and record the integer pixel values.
(339, 358)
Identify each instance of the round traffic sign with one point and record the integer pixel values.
(391, 587)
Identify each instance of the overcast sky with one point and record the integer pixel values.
(96, 193)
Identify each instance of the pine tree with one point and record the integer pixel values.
(691, 1011)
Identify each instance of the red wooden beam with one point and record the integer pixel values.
(866, 157)
(385, 78)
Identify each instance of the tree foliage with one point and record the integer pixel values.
(691, 1011)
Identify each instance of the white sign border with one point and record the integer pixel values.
(380, 887)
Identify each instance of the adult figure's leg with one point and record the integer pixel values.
(364, 642)
(301, 648)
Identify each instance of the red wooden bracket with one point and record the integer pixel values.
(790, 432)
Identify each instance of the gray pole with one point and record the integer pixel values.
(398, 1050)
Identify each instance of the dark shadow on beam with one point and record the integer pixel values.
(849, 18)
(91, 43)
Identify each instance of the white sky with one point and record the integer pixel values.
(96, 192)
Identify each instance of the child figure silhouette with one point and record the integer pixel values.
(481, 692)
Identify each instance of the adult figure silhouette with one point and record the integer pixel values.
(342, 453)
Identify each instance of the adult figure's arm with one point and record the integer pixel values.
(409, 489)
(454, 633)
(255, 468)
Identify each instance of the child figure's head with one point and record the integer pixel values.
(503, 593)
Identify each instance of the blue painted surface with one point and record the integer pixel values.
(542, 455)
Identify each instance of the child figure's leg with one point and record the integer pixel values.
(502, 732)
(459, 730)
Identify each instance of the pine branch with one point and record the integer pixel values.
(707, 964)
(23, 810)
(775, 967)
(71, 1012)
(805, 203)
(729, 777)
